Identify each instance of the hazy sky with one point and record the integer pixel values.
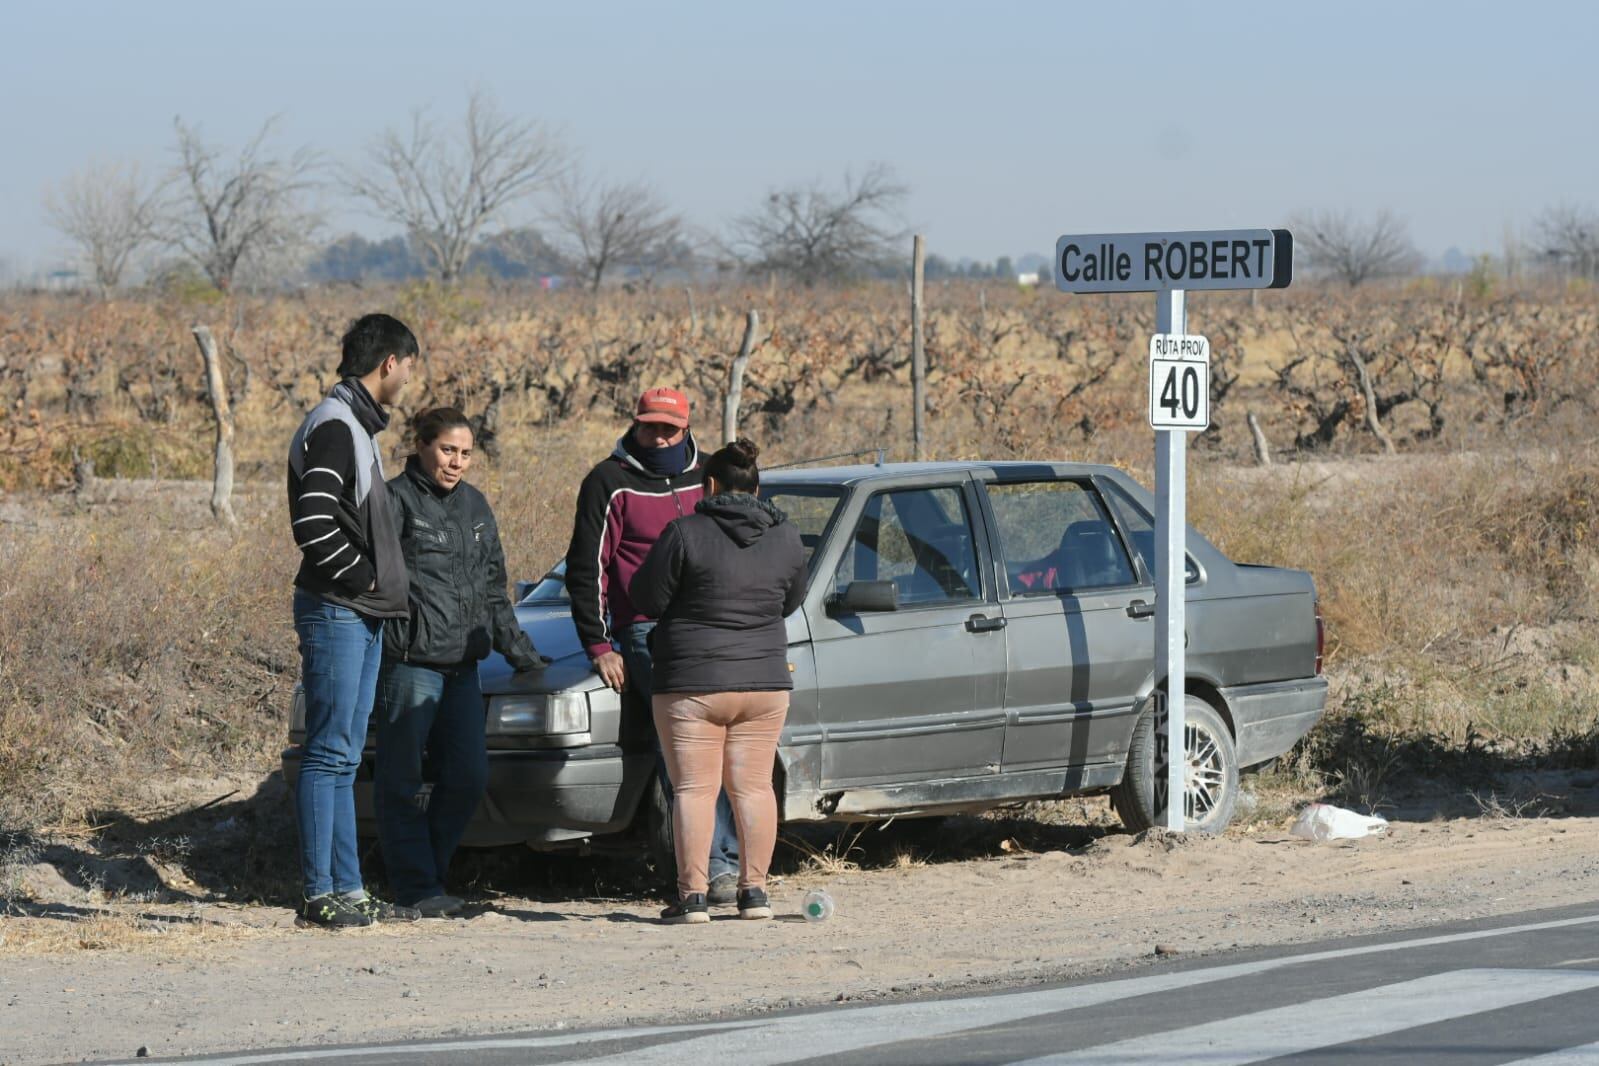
(1012, 123)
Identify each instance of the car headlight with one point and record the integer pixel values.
(539, 713)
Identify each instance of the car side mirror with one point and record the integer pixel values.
(520, 590)
(861, 596)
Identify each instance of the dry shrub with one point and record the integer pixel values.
(1549, 528)
(139, 642)
(1010, 372)
(1411, 554)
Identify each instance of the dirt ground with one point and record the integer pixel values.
(1022, 899)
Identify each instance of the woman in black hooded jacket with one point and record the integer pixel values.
(721, 581)
(428, 698)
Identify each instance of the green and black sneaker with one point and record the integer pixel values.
(330, 912)
(378, 910)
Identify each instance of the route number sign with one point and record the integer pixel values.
(1179, 382)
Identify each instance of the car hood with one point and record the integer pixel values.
(555, 635)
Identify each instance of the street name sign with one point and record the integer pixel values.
(1168, 265)
(1155, 262)
(1179, 382)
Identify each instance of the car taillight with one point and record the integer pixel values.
(1321, 636)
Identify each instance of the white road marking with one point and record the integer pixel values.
(808, 1036)
(777, 1040)
(485, 1044)
(1322, 1023)
(1586, 1055)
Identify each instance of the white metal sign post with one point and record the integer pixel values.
(1168, 264)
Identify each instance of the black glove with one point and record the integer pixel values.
(533, 663)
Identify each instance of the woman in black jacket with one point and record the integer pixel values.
(722, 581)
(428, 696)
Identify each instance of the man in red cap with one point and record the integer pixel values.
(650, 478)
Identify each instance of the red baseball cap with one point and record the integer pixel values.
(663, 405)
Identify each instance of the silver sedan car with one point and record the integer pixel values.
(973, 634)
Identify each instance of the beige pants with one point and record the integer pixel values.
(716, 740)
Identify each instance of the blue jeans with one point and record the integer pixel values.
(439, 712)
(340, 650)
(634, 644)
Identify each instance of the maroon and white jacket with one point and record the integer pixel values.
(621, 510)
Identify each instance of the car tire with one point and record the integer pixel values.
(1140, 799)
(658, 830)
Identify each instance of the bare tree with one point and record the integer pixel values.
(814, 233)
(444, 189)
(109, 212)
(1569, 237)
(232, 215)
(607, 226)
(1355, 250)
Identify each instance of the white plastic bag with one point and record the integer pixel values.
(1323, 821)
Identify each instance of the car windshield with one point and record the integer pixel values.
(551, 588)
(809, 507)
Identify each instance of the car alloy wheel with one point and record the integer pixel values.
(1211, 772)
(1204, 775)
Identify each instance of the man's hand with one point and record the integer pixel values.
(534, 665)
(611, 669)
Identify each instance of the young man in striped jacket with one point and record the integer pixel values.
(352, 576)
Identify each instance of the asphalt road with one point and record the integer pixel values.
(1520, 989)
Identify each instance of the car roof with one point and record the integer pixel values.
(849, 475)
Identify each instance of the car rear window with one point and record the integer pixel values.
(1056, 536)
(1140, 529)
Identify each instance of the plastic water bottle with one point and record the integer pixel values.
(817, 906)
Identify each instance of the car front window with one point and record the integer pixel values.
(921, 540)
(809, 507)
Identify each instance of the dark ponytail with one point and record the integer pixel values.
(734, 466)
(427, 425)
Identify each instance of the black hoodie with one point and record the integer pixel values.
(721, 581)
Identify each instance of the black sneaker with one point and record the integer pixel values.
(440, 906)
(752, 903)
(724, 890)
(690, 910)
(330, 912)
(379, 911)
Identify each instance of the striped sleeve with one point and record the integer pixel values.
(587, 561)
(328, 478)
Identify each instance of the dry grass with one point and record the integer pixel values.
(121, 932)
(831, 857)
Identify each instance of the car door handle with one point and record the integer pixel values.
(1140, 609)
(981, 623)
